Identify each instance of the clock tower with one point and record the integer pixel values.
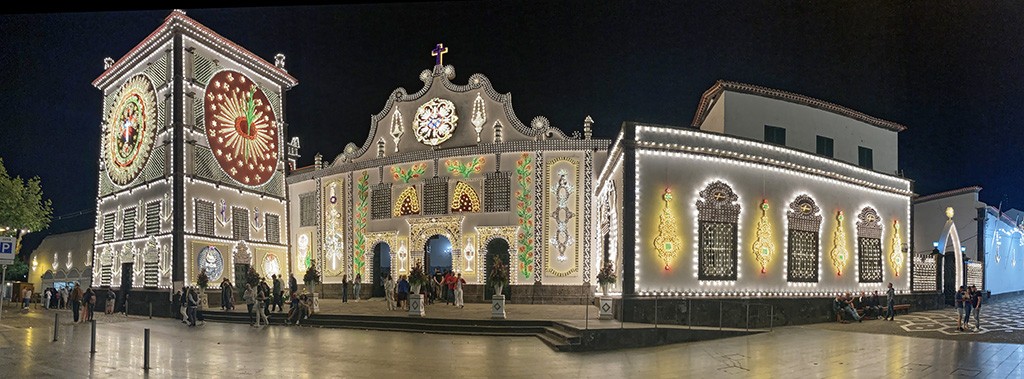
(192, 164)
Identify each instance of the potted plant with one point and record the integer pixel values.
(417, 279)
(606, 277)
(252, 277)
(311, 278)
(499, 276)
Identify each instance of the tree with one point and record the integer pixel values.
(17, 271)
(22, 208)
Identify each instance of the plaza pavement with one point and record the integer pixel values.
(237, 351)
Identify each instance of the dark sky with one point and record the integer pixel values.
(950, 71)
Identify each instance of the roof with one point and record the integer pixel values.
(712, 93)
(940, 195)
(178, 18)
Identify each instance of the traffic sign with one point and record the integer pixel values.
(7, 248)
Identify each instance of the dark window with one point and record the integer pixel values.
(826, 147)
(775, 134)
(497, 191)
(307, 209)
(870, 259)
(204, 218)
(153, 218)
(239, 223)
(128, 227)
(108, 227)
(273, 228)
(435, 196)
(380, 201)
(864, 157)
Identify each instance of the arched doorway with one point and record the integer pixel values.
(381, 267)
(496, 248)
(438, 254)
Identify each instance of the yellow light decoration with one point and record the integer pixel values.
(896, 257)
(667, 242)
(838, 253)
(408, 203)
(763, 246)
(465, 199)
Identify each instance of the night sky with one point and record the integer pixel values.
(950, 71)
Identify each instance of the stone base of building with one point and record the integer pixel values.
(753, 313)
(474, 293)
(1004, 295)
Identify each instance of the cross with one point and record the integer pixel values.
(438, 52)
(719, 196)
(805, 208)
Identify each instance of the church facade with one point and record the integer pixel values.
(766, 194)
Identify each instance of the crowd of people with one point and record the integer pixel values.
(870, 304)
(968, 301)
(81, 303)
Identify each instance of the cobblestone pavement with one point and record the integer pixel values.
(1001, 321)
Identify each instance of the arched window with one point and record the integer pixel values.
(717, 216)
(804, 238)
(869, 246)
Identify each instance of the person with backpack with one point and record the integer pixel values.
(250, 301)
(193, 303)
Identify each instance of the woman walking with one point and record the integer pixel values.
(389, 292)
(355, 285)
(250, 300)
(344, 288)
(261, 301)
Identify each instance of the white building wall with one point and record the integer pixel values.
(1004, 255)
(930, 218)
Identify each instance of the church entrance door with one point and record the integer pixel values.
(496, 249)
(381, 268)
(438, 254)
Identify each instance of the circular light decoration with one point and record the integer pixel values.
(271, 266)
(130, 129)
(241, 128)
(210, 259)
(435, 121)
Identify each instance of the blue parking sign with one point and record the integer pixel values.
(7, 248)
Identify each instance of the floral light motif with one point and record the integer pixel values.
(667, 242)
(465, 170)
(763, 246)
(397, 130)
(271, 266)
(479, 117)
(896, 257)
(524, 210)
(435, 121)
(334, 243)
(839, 253)
(359, 256)
(405, 176)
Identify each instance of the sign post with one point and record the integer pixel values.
(6, 257)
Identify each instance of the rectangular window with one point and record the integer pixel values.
(380, 201)
(870, 259)
(435, 196)
(273, 223)
(864, 158)
(717, 248)
(775, 134)
(108, 227)
(153, 218)
(239, 223)
(497, 192)
(204, 218)
(803, 256)
(128, 227)
(307, 209)
(826, 147)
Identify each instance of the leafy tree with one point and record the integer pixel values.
(17, 271)
(22, 208)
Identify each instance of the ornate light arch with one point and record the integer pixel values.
(409, 194)
(470, 204)
(422, 228)
(375, 238)
(486, 234)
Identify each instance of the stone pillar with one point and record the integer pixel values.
(416, 305)
(606, 308)
(316, 302)
(498, 306)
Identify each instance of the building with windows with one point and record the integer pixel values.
(766, 194)
(991, 238)
(62, 260)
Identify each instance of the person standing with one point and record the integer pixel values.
(193, 303)
(344, 288)
(87, 300)
(458, 291)
(76, 301)
(389, 292)
(450, 281)
(183, 305)
(64, 298)
(403, 292)
(46, 298)
(355, 285)
(111, 298)
(293, 285)
(224, 284)
(436, 285)
(125, 308)
(890, 302)
(261, 304)
(277, 294)
(26, 296)
(250, 301)
(968, 307)
(977, 309)
(959, 299)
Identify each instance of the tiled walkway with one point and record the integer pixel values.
(239, 351)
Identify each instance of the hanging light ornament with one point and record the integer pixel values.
(763, 246)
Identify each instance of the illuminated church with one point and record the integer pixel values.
(765, 194)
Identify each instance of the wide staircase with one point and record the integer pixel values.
(557, 335)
